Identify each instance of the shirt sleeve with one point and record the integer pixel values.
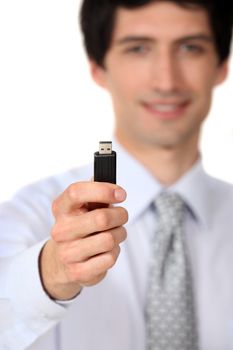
(28, 312)
(34, 312)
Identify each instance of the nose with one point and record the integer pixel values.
(165, 73)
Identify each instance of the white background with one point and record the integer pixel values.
(51, 113)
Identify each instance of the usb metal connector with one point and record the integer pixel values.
(105, 147)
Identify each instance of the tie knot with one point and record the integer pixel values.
(170, 207)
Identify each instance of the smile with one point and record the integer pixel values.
(165, 107)
(166, 110)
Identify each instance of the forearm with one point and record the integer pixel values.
(33, 312)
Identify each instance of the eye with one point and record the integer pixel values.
(192, 48)
(137, 49)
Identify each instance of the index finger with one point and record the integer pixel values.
(77, 195)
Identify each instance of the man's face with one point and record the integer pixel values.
(160, 70)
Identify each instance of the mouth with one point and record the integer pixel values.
(167, 110)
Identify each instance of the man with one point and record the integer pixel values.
(160, 61)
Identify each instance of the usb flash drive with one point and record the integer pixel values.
(105, 163)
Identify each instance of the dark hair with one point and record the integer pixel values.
(97, 18)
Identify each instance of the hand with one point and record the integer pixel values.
(85, 241)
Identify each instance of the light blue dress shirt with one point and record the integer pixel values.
(110, 315)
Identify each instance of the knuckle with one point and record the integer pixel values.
(102, 220)
(55, 207)
(102, 190)
(111, 258)
(56, 232)
(122, 215)
(109, 242)
(118, 250)
(123, 234)
(110, 261)
(125, 216)
(72, 191)
(60, 230)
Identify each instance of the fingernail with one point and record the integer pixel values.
(120, 195)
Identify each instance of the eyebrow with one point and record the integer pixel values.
(191, 37)
(198, 37)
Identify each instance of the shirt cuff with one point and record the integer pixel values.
(69, 301)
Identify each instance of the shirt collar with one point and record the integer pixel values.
(142, 188)
(194, 187)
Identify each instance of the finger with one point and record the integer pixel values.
(83, 249)
(75, 227)
(77, 195)
(87, 272)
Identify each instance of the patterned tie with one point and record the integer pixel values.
(170, 312)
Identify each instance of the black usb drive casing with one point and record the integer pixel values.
(105, 163)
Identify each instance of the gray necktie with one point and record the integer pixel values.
(170, 312)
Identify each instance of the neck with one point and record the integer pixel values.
(167, 165)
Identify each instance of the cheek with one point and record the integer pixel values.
(201, 85)
(127, 78)
(124, 88)
(201, 74)
(203, 99)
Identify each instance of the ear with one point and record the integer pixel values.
(222, 72)
(98, 74)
